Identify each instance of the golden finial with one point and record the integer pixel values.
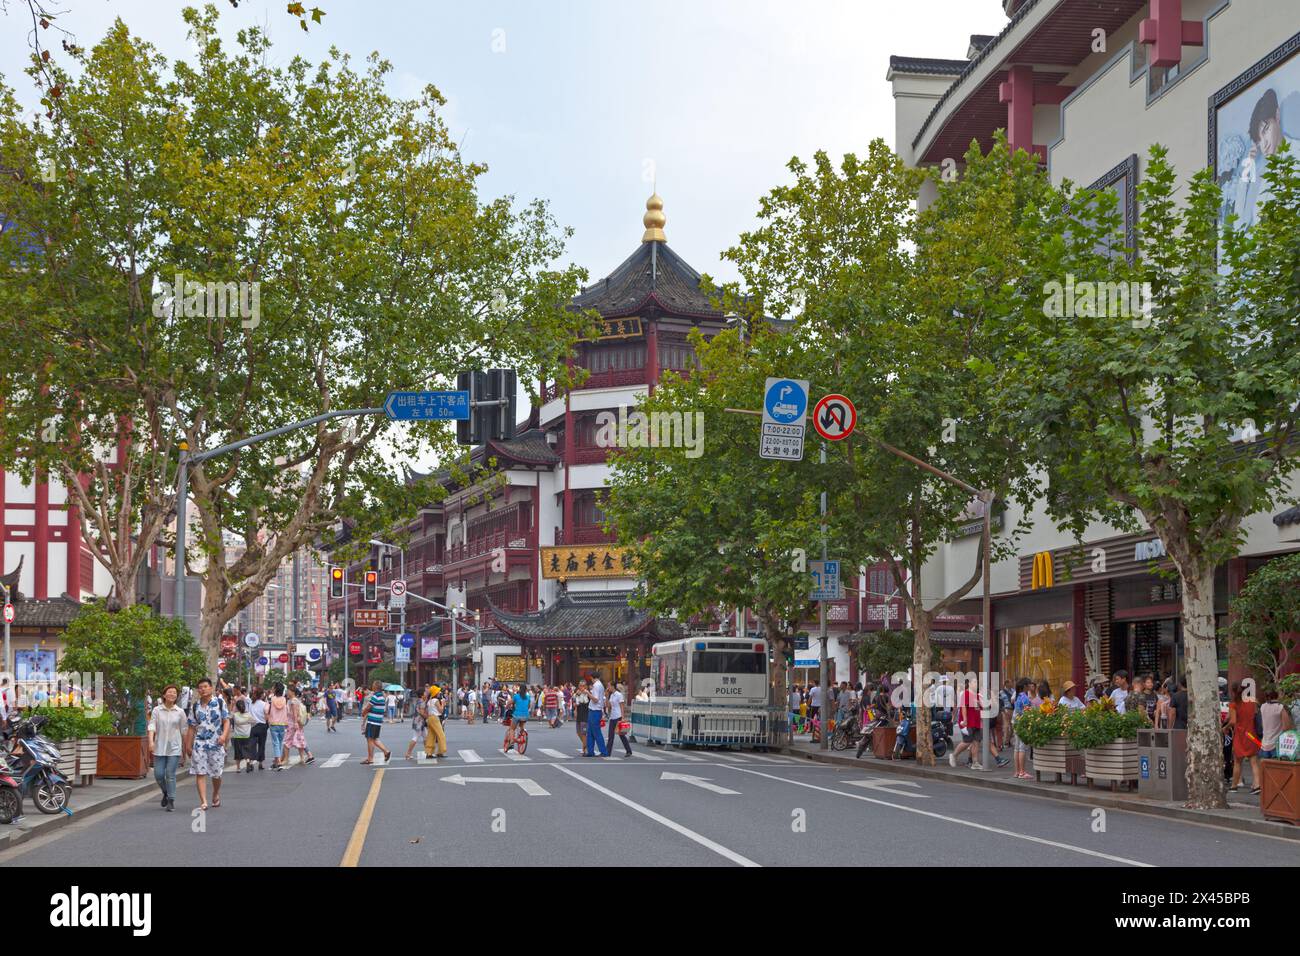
(654, 220)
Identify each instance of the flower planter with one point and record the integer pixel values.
(67, 765)
(87, 760)
(1280, 782)
(1057, 757)
(882, 742)
(1112, 763)
(122, 758)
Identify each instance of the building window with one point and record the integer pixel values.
(616, 358)
(677, 356)
(587, 511)
(1042, 652)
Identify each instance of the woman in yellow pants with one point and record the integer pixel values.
(433, 732)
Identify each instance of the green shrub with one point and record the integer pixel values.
(1100, 723)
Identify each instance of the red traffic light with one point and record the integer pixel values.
(336, 582)
(371, 589)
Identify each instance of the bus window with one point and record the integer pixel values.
(670, 675)
(728, 662)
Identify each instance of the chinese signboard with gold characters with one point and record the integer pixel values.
(587, 561)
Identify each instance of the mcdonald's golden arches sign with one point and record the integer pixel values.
(1041, 576)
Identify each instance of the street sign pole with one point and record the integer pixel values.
(402, 673)
(821, 609)
(8, 600)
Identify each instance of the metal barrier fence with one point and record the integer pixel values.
(705, 725)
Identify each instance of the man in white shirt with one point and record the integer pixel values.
(615, 709)
(815, 701)
(594, 712)
(1120, 694)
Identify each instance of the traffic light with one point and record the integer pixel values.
(336, 582)
(492, 406)
(371, 590)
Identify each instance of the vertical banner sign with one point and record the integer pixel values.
(785, 409)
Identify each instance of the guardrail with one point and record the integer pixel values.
(706, 725)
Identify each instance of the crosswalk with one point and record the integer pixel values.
(550, 754)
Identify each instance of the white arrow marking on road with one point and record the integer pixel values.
(530, 787)
(883, 786)
(557, 754)
(469, 756)
(701, 782)
(336, 760)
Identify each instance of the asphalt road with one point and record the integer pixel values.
(479, 805)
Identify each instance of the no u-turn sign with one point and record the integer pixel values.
(834, 417)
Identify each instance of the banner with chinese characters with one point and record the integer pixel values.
(618, 329)
(587, 561)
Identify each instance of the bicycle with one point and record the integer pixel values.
(516, 738)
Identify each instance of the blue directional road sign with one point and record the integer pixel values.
(826, 581)
(407, 640)
(785, 406)
(785, 401)
(431, 406)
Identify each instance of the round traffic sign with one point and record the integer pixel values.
(786, 401)
(354, 647)
(263, 661)
(313, 654)
(834, 417)
(9, 613)
(397, 588)
(251, 640)
(283, 658)
(407, 640)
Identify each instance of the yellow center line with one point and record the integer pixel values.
(353, 853)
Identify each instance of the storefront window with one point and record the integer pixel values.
(1042, 652)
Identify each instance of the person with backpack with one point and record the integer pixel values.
(419, 724)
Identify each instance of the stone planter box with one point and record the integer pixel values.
(1059, 758)
(1280, 783)
(882, 742)
(123, 758)
(1113, 763)
(87, 760)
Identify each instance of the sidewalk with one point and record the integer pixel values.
(1242, 814)
(102, 795)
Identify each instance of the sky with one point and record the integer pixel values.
(591, 103)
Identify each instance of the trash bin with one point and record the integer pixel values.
(1162, 764)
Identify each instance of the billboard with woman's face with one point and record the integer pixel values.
(1250, 119)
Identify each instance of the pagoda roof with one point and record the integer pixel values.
(652, 274)
(579, 617)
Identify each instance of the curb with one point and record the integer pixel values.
(1089, 797)
(16, 837)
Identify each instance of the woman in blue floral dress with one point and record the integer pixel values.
(206, 743)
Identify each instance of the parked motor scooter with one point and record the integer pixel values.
(34, 762)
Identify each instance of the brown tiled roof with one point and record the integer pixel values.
(55, 613)
(926, 65)
(653, 273)
(603, 615)
(529, 447)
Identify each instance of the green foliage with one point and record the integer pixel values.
(1266, 617)
(73, 723)
(1100, 723)
(1037, 726)
(138, 654)
(890, 652)
(382, 672)
(379, 265)
(1288, 688)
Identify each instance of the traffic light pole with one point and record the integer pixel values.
(183, 484)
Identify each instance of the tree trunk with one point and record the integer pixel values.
(920, 667)
(777, 640)
(212, 623)
(1204, 743)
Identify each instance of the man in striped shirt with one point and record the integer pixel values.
(372, 715)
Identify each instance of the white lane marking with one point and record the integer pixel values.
(948, 819)
(701, 782)
(732, 757)
(768, 758)
(643, 756)
(469, 756)
(882, 785)
(516, 756)
(335, 760)
(530, 787)
(557, 754)
(676, 827)
(690, 757)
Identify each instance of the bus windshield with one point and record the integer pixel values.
(729, 662)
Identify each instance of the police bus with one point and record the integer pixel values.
(710, 690)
